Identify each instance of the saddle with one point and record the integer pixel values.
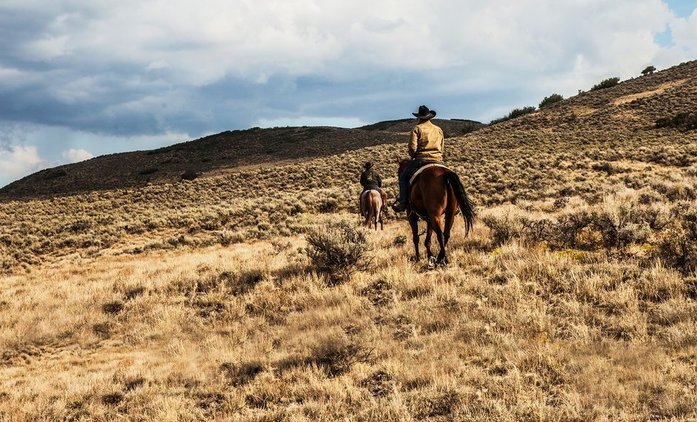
(424, 167)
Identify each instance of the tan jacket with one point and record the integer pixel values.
(426, 142)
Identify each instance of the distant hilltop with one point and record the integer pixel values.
(214, 154)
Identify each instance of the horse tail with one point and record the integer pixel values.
(466, 207)
(374, 210)
(373, 207)
(377, 203)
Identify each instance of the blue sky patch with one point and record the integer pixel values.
(682, 8)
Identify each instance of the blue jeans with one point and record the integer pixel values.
(409, 171)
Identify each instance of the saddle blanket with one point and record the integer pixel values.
(424, 167)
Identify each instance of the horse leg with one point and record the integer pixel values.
(438, 228)
(383, 196)
(368, 214)
(375, 217)
(414, 223)
(449, 220)
(380, 217)
(427, 241)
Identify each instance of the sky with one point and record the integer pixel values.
(83, 78)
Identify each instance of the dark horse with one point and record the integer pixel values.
(435, 196)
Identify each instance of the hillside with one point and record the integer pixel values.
(574, 298)
(211, 155)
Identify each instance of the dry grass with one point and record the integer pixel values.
(250, 331)
(574, 298)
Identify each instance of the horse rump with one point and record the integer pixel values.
(371, 207)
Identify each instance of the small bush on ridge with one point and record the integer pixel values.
(516, 112)
(607, 83)
(648, 70)
(547, 101)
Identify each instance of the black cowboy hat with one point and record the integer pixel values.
(368, 164)
(425, 113)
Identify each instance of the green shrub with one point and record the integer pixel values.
(516, 112)
(547, 101)
(681, 121)
(572, 231)
(677, 244)
(607, 83)
(648, 70)
(328, 206)
(338, 251)
(504, 227)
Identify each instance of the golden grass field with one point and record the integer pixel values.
(574, 298)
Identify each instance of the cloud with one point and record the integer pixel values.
(75, 155)
(685, 33)
(129, 69)
(19, 161)
(97, 59)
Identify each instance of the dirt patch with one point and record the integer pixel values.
(658, 91)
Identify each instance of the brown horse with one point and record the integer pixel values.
(435, 196)
(372, 207)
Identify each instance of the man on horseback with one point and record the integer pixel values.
(425, 146)
(371, 180)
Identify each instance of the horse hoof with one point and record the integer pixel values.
(432, 263)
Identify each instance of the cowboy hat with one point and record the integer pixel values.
(425, 113)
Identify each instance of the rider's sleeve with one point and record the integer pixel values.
(442, 143)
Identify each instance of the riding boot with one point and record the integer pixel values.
(399, 206)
